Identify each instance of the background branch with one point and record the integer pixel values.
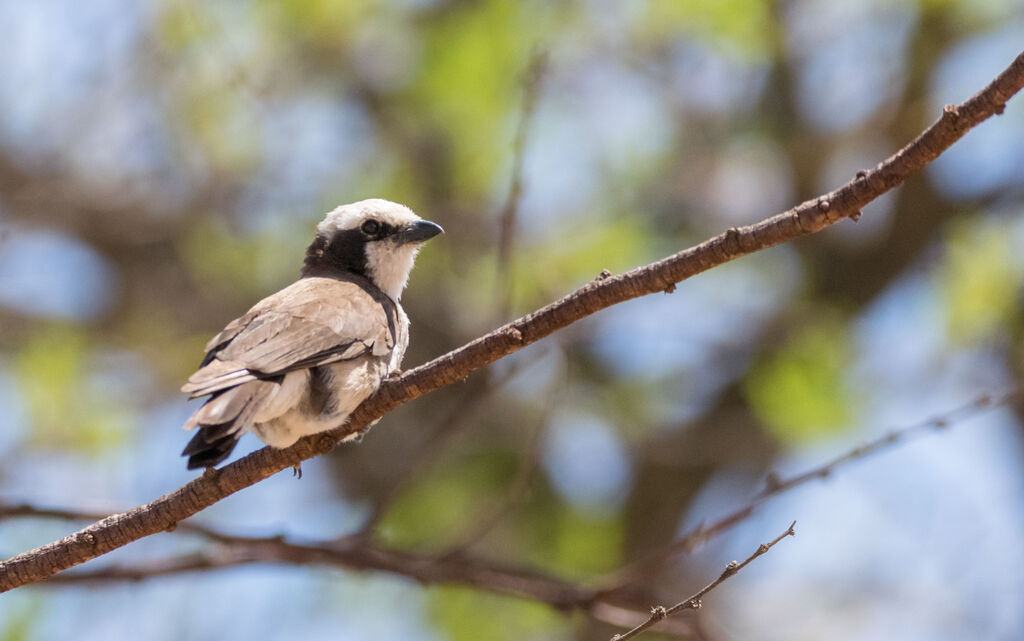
(693, 602)
(532, 81)
(611, 603)
(774, 485)
(808, 217)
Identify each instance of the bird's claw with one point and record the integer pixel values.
(297, 471)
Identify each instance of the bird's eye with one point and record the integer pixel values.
(370, 227)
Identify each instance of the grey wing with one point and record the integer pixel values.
(313, 322)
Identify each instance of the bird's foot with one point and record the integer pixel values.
(393, 374)
(297, 471)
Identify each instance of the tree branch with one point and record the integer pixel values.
(693, 602)
(775, 485)
(277, 549)
(360, 555)
(532, 80)
(661, 276)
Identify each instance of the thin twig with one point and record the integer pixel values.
(693, 602)
(774, 485)
(532, 80)
(984, 403)
(660, 276)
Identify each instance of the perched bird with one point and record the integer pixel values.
(302, 359)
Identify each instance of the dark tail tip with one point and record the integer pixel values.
(209, 447)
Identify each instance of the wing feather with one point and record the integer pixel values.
(314, 321)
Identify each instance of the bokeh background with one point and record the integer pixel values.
(163, 164)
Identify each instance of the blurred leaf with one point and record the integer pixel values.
(573, 256)
(473, 65)
(798, 391)
(325, 24)
(469, 615)
(173, 356)
(744, 25)
(980, 278)
(565, 541)
(243, 267)
(577, 255)
(63, 387)
(182, 24)
(222, 121)
(19, 622)
(586, 545)
(438, 506)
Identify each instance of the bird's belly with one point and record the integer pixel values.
(326, 399)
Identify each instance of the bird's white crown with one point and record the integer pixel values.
(354, 214)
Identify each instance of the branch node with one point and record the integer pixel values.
(514, 334)
(733, 241)
(695, 604)
(328, 442)
(761, 549)
(658, 612)
(89, 539)
(604, 275)
(951, 110)
(824, 205)
(940, 423)
(772, 482)
(863, 173)
(732, 568)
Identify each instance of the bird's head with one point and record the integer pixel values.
(374, 238)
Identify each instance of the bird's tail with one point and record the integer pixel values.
(222, 420)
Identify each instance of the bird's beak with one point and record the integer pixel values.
(418, 232)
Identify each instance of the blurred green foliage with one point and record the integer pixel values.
(469, 615)
(434, 508)
(738, 27)
(980, 278)
(20, 624)
(472, 70)
(71, 408)
(800, 390)
(242, 267)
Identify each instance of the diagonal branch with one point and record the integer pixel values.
(775, 485)
(693, 602)
(661, 276)
(345, 552)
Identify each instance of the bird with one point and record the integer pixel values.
(301, 360)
